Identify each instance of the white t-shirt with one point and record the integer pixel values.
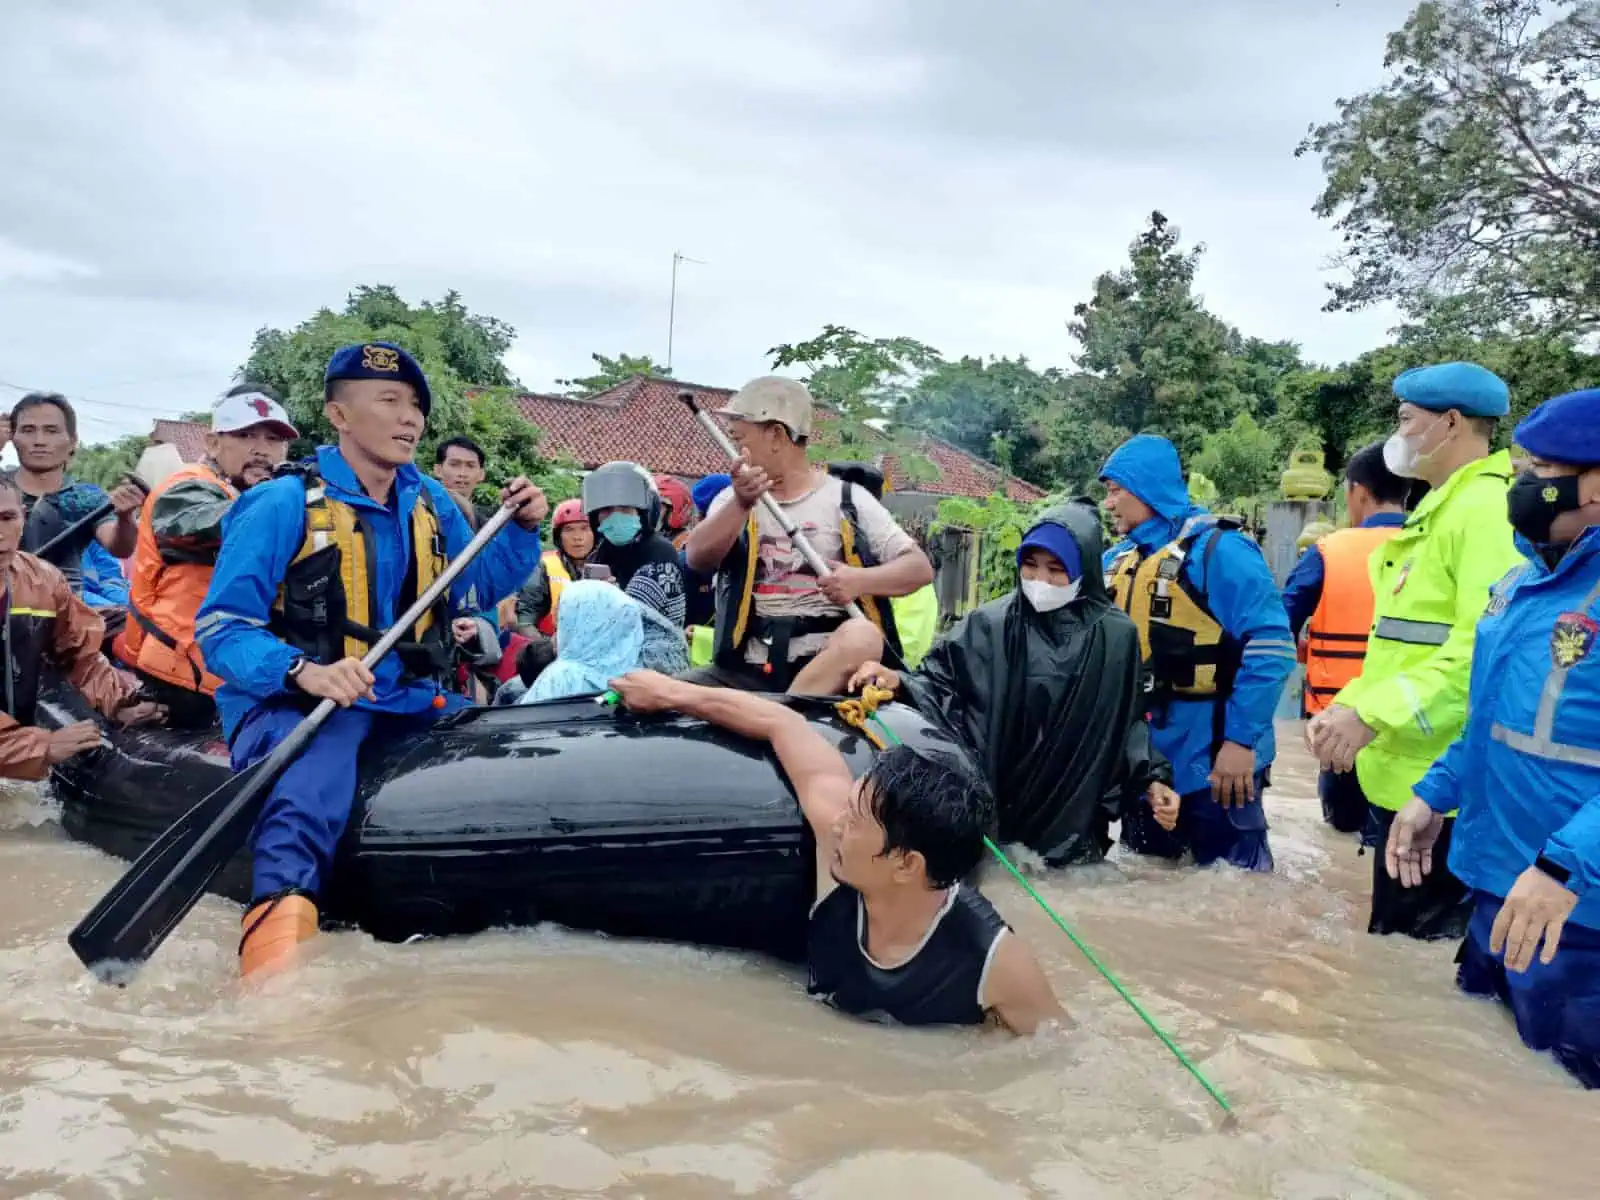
(785, 585)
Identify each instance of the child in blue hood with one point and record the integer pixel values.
(1216, 641)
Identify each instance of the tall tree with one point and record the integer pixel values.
(461, 353)
(997, 409)
(1472, 173)
(1158, 359)
(610, 372)
(107, 463)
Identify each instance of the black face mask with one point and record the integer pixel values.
(1534, 502)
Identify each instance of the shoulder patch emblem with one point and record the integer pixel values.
(1571, 639)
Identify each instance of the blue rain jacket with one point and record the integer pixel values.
(1525, 770)
(599, 637)
(1241, 594)
(264, 530)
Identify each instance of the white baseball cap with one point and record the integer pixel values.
(232, 414)
(773, 398)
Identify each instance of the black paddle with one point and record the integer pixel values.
(94, 518)
(168, 879)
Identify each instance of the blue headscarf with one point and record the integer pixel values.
(599, 636)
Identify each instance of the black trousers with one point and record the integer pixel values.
(1344, 804)
(1440, 908)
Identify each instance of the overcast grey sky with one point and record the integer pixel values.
(178, 173)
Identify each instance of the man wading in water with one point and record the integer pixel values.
(894, 933)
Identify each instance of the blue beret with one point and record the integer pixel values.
(708, 489)
(1564, 430)
(378, 360)
(1475, 391)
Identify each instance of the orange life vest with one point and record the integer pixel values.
(555, 573)
(163, 599)
(1336, 634)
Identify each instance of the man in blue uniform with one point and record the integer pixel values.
(1217, 645)
(312, 569)
(1525, 771)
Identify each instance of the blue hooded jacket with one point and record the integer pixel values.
(262, 533)
(1241, 594)
(1525, 771)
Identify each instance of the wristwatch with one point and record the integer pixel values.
(292, 675)
(1553, 869)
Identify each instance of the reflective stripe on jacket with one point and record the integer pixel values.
(1525, 771)
(1430, 584)
(1336, 634)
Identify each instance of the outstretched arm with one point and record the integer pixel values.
(818, 773)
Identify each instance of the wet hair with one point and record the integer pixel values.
(932, 804)
(459, 443)
(1366, 467)
(538, 654)
(32, 400)
(249, 389)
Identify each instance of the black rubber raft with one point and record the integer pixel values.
(569, 811)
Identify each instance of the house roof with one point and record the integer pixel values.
(643, 420)
(188, 436)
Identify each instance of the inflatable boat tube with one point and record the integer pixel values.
(570, 811)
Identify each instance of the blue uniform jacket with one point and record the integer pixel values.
(104, 584)
(1526, 769)
(265, 529)
(1241, 594)
(1302, 591)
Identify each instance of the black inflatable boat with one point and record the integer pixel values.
(659, 826)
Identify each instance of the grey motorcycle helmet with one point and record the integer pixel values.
(622, 484)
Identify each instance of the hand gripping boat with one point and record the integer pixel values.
(568, 811)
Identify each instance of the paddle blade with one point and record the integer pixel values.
(132, 920)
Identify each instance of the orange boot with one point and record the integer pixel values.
(272, 930)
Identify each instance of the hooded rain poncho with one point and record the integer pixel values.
(1051, 704)
(599, 636)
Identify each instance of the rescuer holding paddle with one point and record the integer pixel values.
(311, 570)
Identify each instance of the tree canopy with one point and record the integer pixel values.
(462, 354)
(1471, 177)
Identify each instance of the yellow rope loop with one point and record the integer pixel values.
(855, 712)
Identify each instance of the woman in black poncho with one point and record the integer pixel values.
(1045, 688)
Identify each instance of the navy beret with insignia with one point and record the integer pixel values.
(1472, 390)
(1564, 430)
(378, 360)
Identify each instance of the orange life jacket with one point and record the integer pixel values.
(1336, 634)
(555, 573)
(163, 598)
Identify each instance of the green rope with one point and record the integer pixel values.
(1166, 1040)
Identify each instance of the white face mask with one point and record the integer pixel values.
(1047, 597)
(1400, 453)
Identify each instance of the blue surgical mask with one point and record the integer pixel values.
(620, 529)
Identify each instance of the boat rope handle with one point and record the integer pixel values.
(857, 713)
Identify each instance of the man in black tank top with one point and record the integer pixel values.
(894, 933)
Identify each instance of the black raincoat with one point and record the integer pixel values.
(1051, 704)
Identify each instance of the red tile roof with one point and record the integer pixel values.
(644, 421)
(188, 436)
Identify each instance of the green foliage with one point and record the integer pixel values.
(999, 523)
(1156, 359)
(461, 353)
(1469, 178)
(612, 371)
(1201, 489)
(1240, 460)
(862, 379)
(107, 464)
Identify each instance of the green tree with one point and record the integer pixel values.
(997, 409)
(1470, 176)
(1241, 460)
(1158, 360)
(106, 464)
(461, 353)
(610, 372)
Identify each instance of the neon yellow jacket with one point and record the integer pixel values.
(916, 617)
(1431, 584)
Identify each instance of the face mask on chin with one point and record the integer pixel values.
(1047, 597)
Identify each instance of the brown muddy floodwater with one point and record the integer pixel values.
(548, 1063)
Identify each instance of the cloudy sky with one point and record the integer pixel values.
(178, 173)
